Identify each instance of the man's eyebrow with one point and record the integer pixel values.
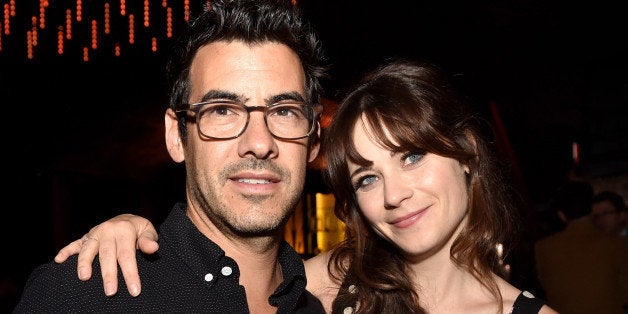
(285, 96)
(222, 94)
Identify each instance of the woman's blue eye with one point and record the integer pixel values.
(364, 181)
(413, 157)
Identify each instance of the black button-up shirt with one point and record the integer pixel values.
(189, 273)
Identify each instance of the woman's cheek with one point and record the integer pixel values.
(367, 204)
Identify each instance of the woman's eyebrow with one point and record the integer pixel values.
(358, 171)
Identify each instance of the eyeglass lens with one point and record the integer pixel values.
(228, 120)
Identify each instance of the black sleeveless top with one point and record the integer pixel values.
(527, 303)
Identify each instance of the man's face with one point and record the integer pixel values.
(248, 185)
(606, 217)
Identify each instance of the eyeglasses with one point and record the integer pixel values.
(224, 119)
(604, 214)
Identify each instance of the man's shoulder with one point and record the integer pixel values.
(56, 272)
(167, 286)
(54, 286)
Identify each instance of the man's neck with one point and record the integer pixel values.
(260, 271)
(257, 258)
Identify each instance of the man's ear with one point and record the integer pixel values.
(315, 144)
(173, 139)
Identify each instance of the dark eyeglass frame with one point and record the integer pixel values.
(317, 110)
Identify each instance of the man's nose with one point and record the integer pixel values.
(256, 139)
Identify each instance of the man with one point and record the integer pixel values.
(581, 269)
(243, 117)
(609, 213)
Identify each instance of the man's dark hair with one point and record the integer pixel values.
(252, 22)
(574, 199)
(615, 199)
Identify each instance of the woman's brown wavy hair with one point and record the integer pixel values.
(423, 112)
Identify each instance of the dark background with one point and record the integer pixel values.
(84, 140)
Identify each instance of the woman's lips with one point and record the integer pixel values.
(408, 220)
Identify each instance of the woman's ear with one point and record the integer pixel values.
(173, 138)
(474, 145)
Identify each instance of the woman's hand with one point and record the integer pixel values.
(115, 241)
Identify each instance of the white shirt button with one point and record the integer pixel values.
(226, 271)
(209, 277)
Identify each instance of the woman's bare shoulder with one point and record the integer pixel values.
(319, 282)
(316, 270)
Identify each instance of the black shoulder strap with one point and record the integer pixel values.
(527, 303)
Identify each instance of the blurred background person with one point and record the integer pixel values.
(580, 268)
(609, 213)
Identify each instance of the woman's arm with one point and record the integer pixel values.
(115, 242)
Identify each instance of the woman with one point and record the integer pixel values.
(422, 199)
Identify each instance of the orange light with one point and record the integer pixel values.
(575, 152)
(85, 54)
(60, 40)
(146, 14)
(94, 34)
(34, 31)
(12, 7)
(29, 45)
(107, 19)
(79, 10)
(68, 24)
(7, 16)
(169, 22)
(186, 10)
(131, 29)
(42, 14)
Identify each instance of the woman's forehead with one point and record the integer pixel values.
(377, 133)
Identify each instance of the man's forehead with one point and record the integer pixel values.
(260, 70)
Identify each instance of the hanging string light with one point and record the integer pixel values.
(88, 29)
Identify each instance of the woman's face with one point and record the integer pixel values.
(416, 200)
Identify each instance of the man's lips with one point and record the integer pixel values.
(253, 181)
(256, 182)
(256, 178)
